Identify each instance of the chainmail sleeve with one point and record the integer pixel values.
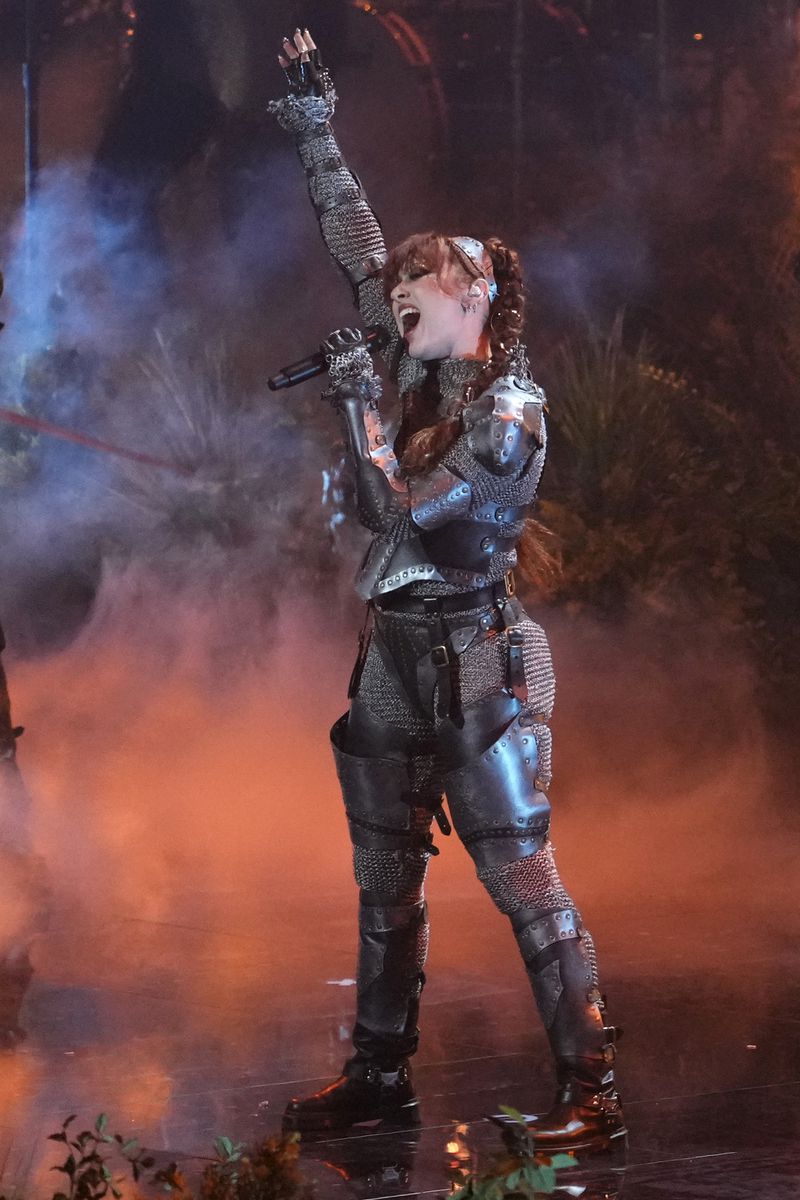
(350, 229)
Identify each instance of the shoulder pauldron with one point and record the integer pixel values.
(504, 425)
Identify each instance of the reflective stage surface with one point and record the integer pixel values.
(185, 1029)
(197, 968)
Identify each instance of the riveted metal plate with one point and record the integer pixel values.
(555, 927)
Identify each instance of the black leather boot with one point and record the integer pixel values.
(363, 1092)
(376, 1082)
(586, 1114)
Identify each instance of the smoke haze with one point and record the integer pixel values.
(179, 645)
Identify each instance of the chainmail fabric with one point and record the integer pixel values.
(353, 364)
(379, 692)
(375, 311)
(411, 374)
(301, 114)
(319, 149)
(531, 882)
(398, 875)
(352, 234)
(544, 747)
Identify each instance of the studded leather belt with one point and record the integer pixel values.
(484, 597)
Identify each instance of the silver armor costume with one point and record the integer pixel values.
(454, 687)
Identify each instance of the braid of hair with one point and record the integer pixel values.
(506, 316)
(423, 440)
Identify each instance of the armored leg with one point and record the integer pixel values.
(388, 804)
(502, 815)
(559, 958)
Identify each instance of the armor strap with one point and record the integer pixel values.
(361, 657)
(383, 918)
(441, 657)
(516, 643)
(555, 927)
(336, 199)
(334, 163)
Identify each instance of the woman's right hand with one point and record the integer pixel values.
(302, 65)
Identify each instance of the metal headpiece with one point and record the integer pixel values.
(474, 252)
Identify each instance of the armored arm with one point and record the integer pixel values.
(505, 425)
(350, 229)
(438, 497)
(381, 495)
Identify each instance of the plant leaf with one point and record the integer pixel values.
(514, 1114)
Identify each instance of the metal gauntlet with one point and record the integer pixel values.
(381, 496)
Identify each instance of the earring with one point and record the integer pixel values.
(468, 308)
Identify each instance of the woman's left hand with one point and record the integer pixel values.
(302, 65)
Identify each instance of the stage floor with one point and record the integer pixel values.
(188, 1028)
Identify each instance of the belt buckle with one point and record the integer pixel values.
(488, 620)
(440, 656)
(510, 582)
(515, 636)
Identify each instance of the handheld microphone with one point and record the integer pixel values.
(315, 364)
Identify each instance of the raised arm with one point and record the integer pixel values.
(350, 229)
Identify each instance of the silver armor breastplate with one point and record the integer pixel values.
(463, 532)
